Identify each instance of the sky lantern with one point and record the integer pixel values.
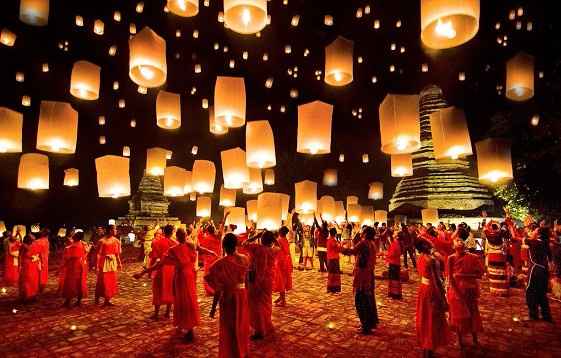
(183, 8)
(259, 145)
(204, 205)
(367, 215)
(251, 210)
(58, 127)
(269, 177)
(156, 161)
(430, 216)
(168, 110)
(7, 37)
(113, 180)
(84, 80)
(234, 169)
(340, 212)
(450, 135)
(326, 207)
(494, 162)
(381, 216)
(401, 165)
(229, 101)
(351, 199)
(354, 212)
(339, 62)
(330, 177)
(71, 177)
(33, 172)
(448, 23)
(188, 185)
(285, 202)
(11, 124)
(245, 16)
(306, 196)
(399, 124)
(314, 128)
(236, 217)
(255, 183)
(147, 62)
(214, 127)
(203, 177)
(520, 77)
(174, 181)
(307, 219)
(227, 197)
(269, 211)
(34, 12)
(376, 190)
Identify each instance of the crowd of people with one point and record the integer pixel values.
(243, 268)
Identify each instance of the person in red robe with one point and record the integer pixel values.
(12, 262)
(260, 283)
(162, 279)
(431, 326)
(227, 278)
(30, 269)
(333, 268)
(210, 240)
(464, 269)
(74, 270)
(43, 243)
(393, 259)
(282, 281)
(108, 263)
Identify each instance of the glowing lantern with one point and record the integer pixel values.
(214, 127)
(33, 173)
(354, 212)
(376, 190)
(168, 110)
(188, 185)
(326, 207)
(269, 211)
(255, 184)
(399, 124)
(260, 145)
(448, 23)
(429, 216)
(156, 161)
(192, 196)
(174, 181)
(227, 197)
(339, 62)
(34, 12)
(269, 177)
(450, 135)
(245, 16)
(381, 216)
(204, 206)
(58, 127)
(367, 215)
(314, 128)
(126, 151)
(113, 179)
(84, 80)
(7, 37)
(402, 165)
(307, 219)
(306, 196)
(229, 101)
(183, 8)
(494, 163)
(251, 210)
(520, 77)
(71, 177)
(234, 170)
(11, 123)
(147, 63)
(340, 212)
(285, 202)
(2, 227)
(203, 177)
(99, 27)
(236, 217)
(330, 177)
(351, 199)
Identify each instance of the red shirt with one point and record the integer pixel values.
(333, 248)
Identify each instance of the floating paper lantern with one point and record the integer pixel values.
(306, 196)
(188, 185)
(260, 145)
(84, 80)
(285, 202)
(448, 23)
(183, 8)
(326, 207)
(430, 216)
(520, 77)
(376, 190)
(174, 181)
(204, 205)
(399, 124)
(330, 177)
(234, 169)
(354, 212)
(229, 101)
(214, 127)
(203, 176)
(494, 162)
(450, 135)
(2, 227)
(192, 196)
(381, 216)
(126, 151)
(147, 63)
(71, 177)
(307, 219)
(365, 158)
(236, 217)
(245, 16)
(402, 165)
(113, 180)
(340, 212)
(99, 27)
(168, 110)
(11, 124)
(269, 211)
(156, 161)
(351, 199)
(367, 215)
(255, 184)
(7, 37)
(251, 210)
(269, 177)
(34, 12)
(33, 172)
(314, 128)
(58, 127)
(339, 62)
(227, 197)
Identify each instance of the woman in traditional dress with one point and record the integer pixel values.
(74, 271)
(30, 269)
(12, 262)
(393, 259)
(283, 268)
(108, 263)
(333, 268)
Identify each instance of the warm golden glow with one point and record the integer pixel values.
(168, 110)
(147, 62)
(401, 165)
(58, 127)
(306, 196)
(339, 62)
(245, 16)
(11, 124)
(448, 23)
(234, 168)
(33, 172)
(260, 145)
(204, 205)
(156, 161)
(71, 177)
(229, 101)
(314, 128)
(84, 80)
(183, 8)
(520, 77)
(174, 181)
(113, 180)
(399, 124)
(34, 12)
(203, 176)
(450, 134)
(269, 211)
(494, 163)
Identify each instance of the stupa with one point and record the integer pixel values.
(447, 185)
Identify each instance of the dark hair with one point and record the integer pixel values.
(267, 238)
(369, 233)
(229, 243)
(180, 235)
(463, 233)
(283, 231)
(432, 231)
(108, 229)
(28, 239)
(44, 232)
(333, 231)
(168, 230)
(78, 236)
(453, 227)
(423, 246)
(544, 233)
(210, 229)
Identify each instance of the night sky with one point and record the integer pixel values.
(481, 59)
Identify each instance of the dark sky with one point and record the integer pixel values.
(482, 60)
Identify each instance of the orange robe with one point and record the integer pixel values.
(227, 275)
(283, 268)
(74, 275)
(30, 270)
(12, 264)
(162, 279)
(43, 243)
(212, 243)
(107, 285)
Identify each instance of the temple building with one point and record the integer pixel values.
(447, 185)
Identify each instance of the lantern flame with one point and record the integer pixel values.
(338, 76)
(246, 17)
(35, 183)
(146, 72)
(401, 143)
(56, 144)
(455, 151)
(445, 29)
(182, 5)
(400, 171)
(495, 176)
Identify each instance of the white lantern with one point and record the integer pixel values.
(450, 135)
(376, 190)
(494, 162)
(245, 16)
(260, 145)
(229, 101)
(33, 172)
(236, 217)
(188, 185)
(168, 110)
(400, 129)
(234, 169)
(381, 216)
(269, 211)
(430, 216)
(269, 177)
(71, 177)
(204, 205)
(306, 196)
(340, 212)
(326, 207)
(147, 63)
(367, 215)
(520, 77)
(204, 175)
(314, 128)
(156, 161)
(255, 184)
(34, 12)
(227, 197)
(58, 127)
(174, 181)
(183, 8)
(339, 62)
(330, 177)
(351, 199)
(354, 212)
(251, 210)
(113, 180)
(84, 80)
(11, 124)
